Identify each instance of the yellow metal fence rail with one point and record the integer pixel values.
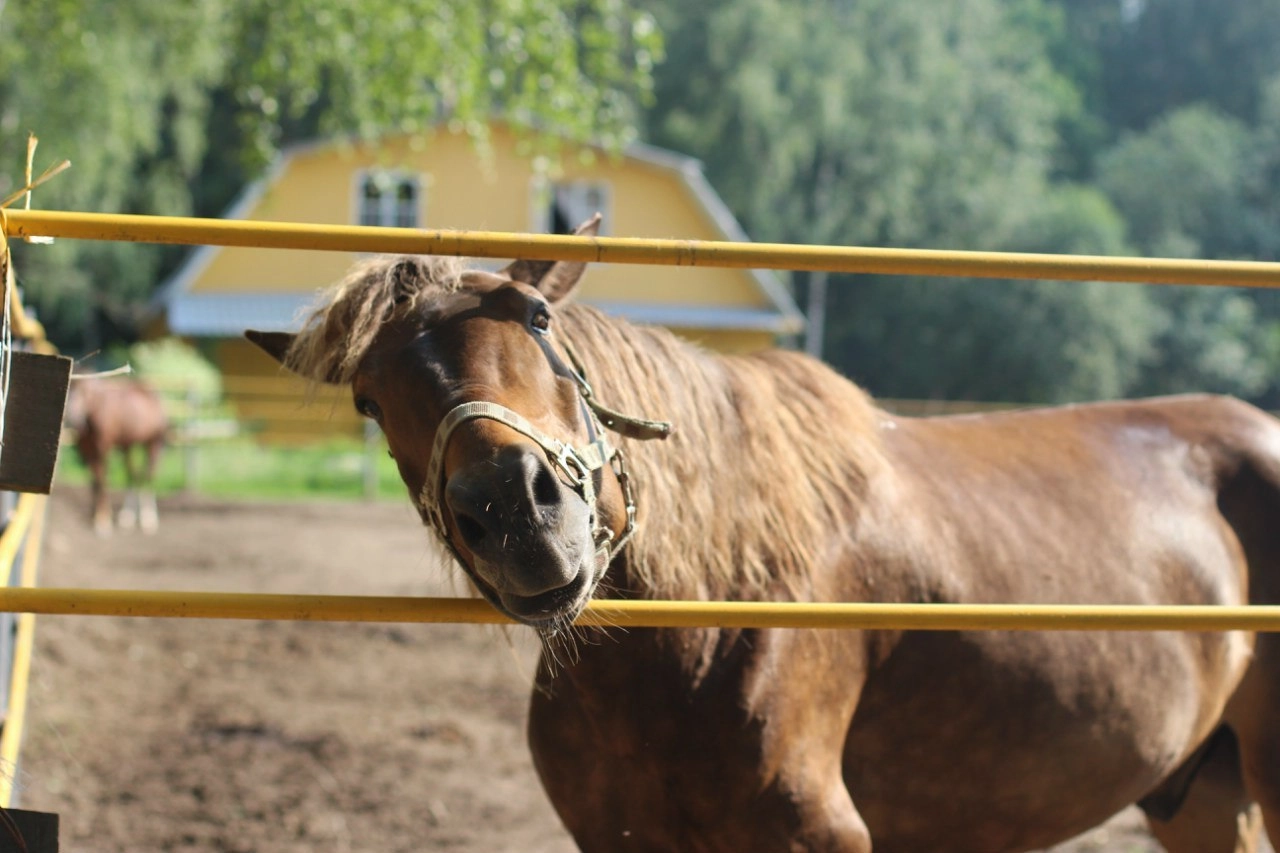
(356, 238)
(285, 235)
(649, 614)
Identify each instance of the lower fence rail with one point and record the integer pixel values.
(649, 614)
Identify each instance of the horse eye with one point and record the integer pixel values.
(541, 322)
(368, 408)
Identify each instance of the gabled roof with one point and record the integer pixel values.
(227, 314)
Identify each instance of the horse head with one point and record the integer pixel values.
(490, 422)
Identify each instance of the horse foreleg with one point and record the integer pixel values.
(100, 507)
(1216, 814)
(128, 515)
(148, 514)
(807, 806)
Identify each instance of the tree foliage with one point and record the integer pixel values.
(170, 107)
(874, 121)
(1090, 126)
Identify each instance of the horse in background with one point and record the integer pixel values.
(124, 414)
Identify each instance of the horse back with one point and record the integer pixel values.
(1148, 501)
(124, 412)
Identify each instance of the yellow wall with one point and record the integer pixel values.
(460, 190)
(276, 405)
(463, 191)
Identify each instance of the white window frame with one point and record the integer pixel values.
(543, 190)
(388, 212)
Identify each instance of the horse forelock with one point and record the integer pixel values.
(763, 476)
(338, 331)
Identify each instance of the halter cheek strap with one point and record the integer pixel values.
(579, 464)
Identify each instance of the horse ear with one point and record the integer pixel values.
(407, 279)
(556, 280)
(278, 344)
(274, 344)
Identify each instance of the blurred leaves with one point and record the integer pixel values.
(1025, 125)
(171, 108)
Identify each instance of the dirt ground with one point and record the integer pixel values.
(267, 737)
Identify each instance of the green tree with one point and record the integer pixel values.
(932, 124)
(1136, 61)
(120, 90)
(1167, 54)
(1187, 186)
(134, 94)
(1021, 341)
(1181, 184)
(868, 122)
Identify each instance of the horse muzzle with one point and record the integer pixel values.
(528, 514)
(529, 534)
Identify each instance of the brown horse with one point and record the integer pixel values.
(110, 414)
(782, 481)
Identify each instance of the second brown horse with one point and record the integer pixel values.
(125, 415)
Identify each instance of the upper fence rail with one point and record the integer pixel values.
(631, 250)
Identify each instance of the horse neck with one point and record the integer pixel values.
(768, 463)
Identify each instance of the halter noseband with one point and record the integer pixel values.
(578, 464)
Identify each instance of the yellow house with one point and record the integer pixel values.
(441, 181)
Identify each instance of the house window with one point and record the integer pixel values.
(390, 198)
(558, 208)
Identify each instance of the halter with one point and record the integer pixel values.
(578, 464)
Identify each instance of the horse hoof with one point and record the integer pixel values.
(102, 528)
(148, 516)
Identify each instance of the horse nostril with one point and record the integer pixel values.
(546, 490)
(471, 531)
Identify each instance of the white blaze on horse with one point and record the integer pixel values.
(109, 414)
(783, 481)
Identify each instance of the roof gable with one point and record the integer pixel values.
(652, 192)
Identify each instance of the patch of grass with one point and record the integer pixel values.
(244, 469)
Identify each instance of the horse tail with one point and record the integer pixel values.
(1249, 495)
(1249, 498)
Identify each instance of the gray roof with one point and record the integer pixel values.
(227, 314)
(217, 315)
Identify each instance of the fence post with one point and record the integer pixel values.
(817, 313)
(370, 460)
(190, 461)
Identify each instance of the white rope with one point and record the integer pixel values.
(123, 370)
(6, 333)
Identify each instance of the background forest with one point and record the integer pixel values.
(1092, 126)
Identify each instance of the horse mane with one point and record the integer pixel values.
(766, 468)
(341, 325)
(768, 463)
